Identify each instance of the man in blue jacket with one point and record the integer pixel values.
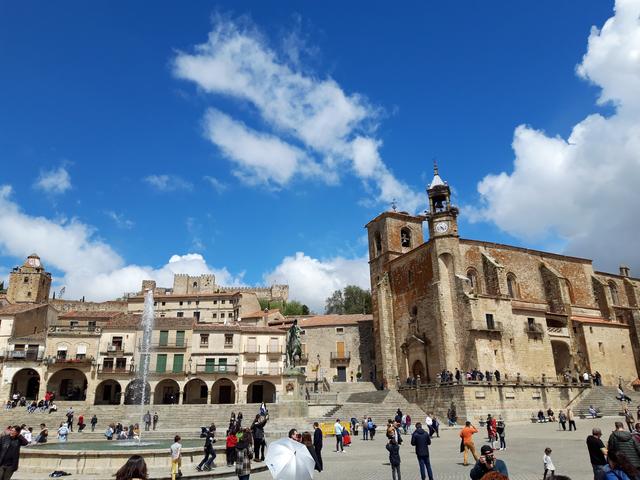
(487, 463)
(421, 440)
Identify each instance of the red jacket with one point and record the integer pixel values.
(232, 441)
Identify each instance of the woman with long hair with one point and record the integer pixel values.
(244, 454)
(134, 469)
(307, 441)
(619, 467)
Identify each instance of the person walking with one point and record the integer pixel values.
(372, 428)
(244, 453)
(63, 432)
(466, 443)
(93, 422)
(549, 467)
(10, 444)
(394, 458)
(500, 428)
(597, 452)
(562, 420)
(146, 418)
(209, 453)
(621, 441)
(421, 440)
(337, 428)
(257, 429)
(365, 428)
(81, 423)
(70, 413)
(628, 418)
(317, 444)
(176, 458)
(155, 420)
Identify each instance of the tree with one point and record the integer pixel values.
(295, 308)
(356, 300)
(352, 299)
(335, 303)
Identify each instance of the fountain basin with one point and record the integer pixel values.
(99, 457)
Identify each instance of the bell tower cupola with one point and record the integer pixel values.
(442, 216)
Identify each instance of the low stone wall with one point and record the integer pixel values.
(475, 401)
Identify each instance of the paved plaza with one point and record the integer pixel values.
(526, 444)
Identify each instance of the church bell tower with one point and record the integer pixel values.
(29, 283)
(442, 216)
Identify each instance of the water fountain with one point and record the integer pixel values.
(148, 320)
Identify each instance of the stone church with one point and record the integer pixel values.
(450, 302)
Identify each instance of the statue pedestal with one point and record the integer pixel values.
(292, 401)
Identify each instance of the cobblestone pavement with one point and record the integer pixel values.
(523, 456)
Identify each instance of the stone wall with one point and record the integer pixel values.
(64, 306)
(472, 402)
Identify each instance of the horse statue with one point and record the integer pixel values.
(294, 348)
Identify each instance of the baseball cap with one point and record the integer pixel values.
(486, 449)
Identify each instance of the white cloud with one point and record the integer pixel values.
(119, 219)
(260, 157)
(327, 125)
(54, 181)
(312, 281)
(583, 189)
(218, 186)
(167, 183)
(89, 266)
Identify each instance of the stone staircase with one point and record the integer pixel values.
(379, 405)
(344, 390)
(604, 400)
(183, 419)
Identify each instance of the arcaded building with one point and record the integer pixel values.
(448, 302)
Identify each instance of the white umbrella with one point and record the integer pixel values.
(289, 460)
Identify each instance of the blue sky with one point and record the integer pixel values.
(106, 137)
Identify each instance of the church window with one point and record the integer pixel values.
(512, 285)
(601, 347)
(26, 279)
(28, 294)
(405, 238)
(378, 242)
(614, 293)
(414, 311)
(572, 295)
(195, 284)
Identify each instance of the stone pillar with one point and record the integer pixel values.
(181, 397)
(291, 400)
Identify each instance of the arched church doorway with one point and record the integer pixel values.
(417, 369)
(561, 356)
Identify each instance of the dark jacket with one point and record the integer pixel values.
(394, 453)
(480, 469)
(421, 440)
(10, 450)
(623, 442)
(317, 439)
(257, 428)
(312, 452)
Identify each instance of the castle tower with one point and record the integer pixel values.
(29, 283)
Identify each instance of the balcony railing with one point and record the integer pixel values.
(75, 361)
(534, 328)
(274, 350)
(257, 371)
(116, 370)
(340, 356)
(166, 345)
(487, 327)
(558, 331)
(252, 349)
(204, 368)
(27, 355)
(79, 330)
(115, 351)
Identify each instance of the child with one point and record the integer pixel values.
(394, 458)
(176, 458)
(549, 469)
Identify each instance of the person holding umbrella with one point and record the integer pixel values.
(288, 459)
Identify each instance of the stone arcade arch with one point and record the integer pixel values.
(133, 393)
(195, 391)
(27, 383)
(223, 392)
(261, 391)
(108, 392)
(167, 392)
(561, 356)
(68, 384)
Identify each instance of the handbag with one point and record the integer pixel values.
(461, 446)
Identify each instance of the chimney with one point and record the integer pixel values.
(624, 271)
